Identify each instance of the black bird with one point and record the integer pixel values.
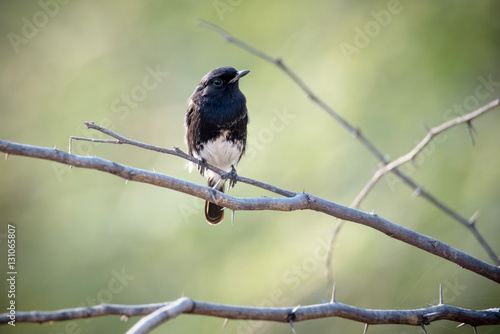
(216, 128)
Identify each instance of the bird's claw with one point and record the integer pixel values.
(202, 166)
(231, 176)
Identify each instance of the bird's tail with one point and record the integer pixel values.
(214, 213)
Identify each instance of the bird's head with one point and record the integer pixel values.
(221, 81)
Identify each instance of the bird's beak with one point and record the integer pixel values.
(239, 74)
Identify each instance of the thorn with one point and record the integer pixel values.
(126, 181)
(124, 318)
(227, 38)
(416, 193)
(225, 323)
(373, 213)
(232, 217)
(356, 132)
(430, 305)
(473, 219)
(471, 132)
(423, 328)
(332, 300)
(441, 294)
(324, 301)
(366, 329)
(387, 159)
(215, 186)
(213, 197)
(6, 156)
(475, 329)
(426, 127)
(154, 170)
(291, 317)
(462, 324)
(413, 160)
(431, 315)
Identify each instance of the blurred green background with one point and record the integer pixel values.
(86, 237)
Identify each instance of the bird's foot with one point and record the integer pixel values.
(202, 166)
(231, 176)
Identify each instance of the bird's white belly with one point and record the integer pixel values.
(221, 153)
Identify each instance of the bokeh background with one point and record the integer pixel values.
(85, 237)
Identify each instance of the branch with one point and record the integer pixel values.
(176, 152)
(467, 119)
(161, 315)
(470, 224)
(161, 312)
(299, 201)
(353, 130)
(310, 94)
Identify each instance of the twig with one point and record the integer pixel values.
(161, 315)
(423, 143)
(108, 141)
(353, 130)
(414, 317)
(300, 201)
(310, 94)
(467, 119)
(179, 153)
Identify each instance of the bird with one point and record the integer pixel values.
(216, 129)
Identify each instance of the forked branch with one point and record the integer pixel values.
(156, 314)
(228, 37)
(299, 201)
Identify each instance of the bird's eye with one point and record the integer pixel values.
(218, 82)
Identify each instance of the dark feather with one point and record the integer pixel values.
(217, 115)
(214, 213)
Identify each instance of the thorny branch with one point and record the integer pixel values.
(298, 201)
(470, 223)
(160, 313)
(156, 314)
(176, 152)
(467, 119)
(357, 133)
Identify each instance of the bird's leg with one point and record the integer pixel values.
(231, 176)
(202, 166)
